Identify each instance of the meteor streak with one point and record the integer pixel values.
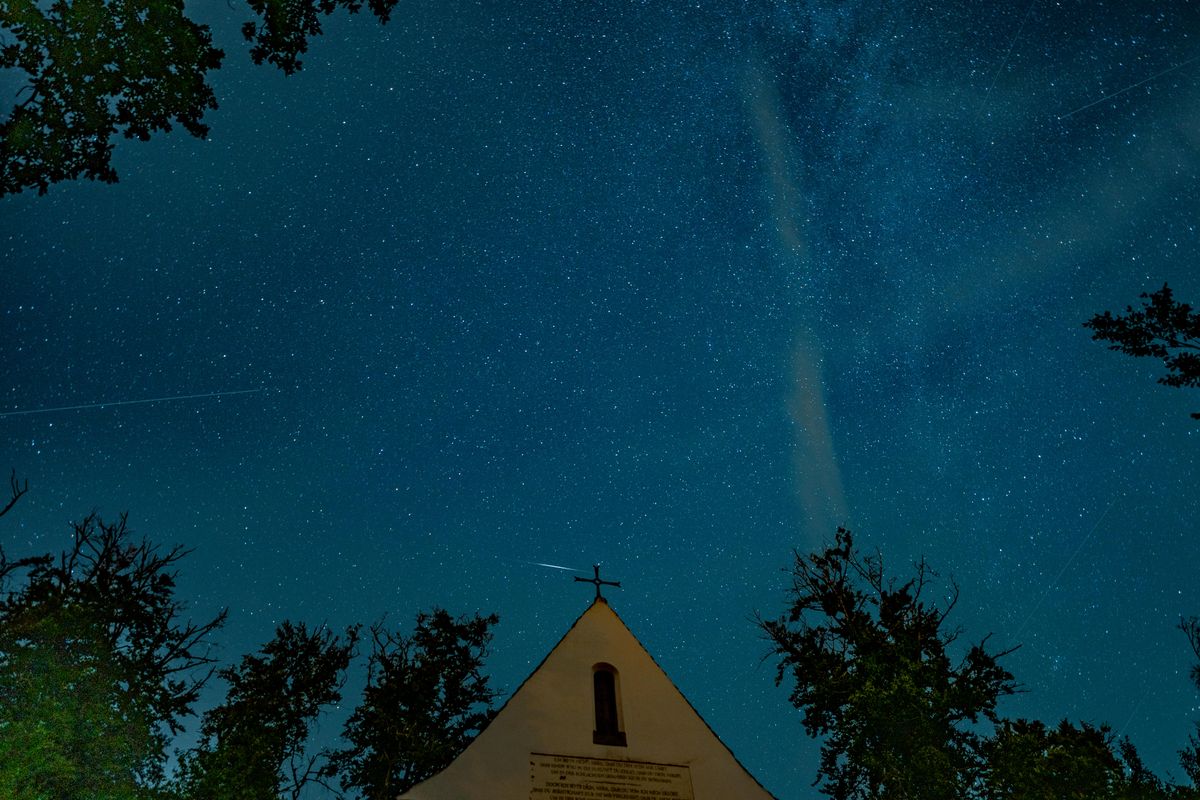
(553, 566)
(1131, 87)
(537, 564)
(1065, 567)
(1007, 54)
(165, 399)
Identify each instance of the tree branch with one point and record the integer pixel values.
(18, 491)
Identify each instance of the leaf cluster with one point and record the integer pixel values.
(254, 742)
(1189, 757)
(1026, 760)
(281, 34)
(95, 68)
(97, 666)
(872, 673)
(426, 698)
(1162, 328)
(870, 669)
(67, 725)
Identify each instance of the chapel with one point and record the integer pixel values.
(597, 720)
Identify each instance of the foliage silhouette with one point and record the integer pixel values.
(1028, 761)
(1189, 756)
(868, 661)
(1162, 328)
(426, 698)
(253, 744)
(96, 68)
(68, 729)
(97, 669)
(281, 36)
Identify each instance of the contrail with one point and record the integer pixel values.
(1129, 88)
(165, 399)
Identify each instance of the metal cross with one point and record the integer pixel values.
(597, 582)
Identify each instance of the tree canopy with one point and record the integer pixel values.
(871, 670)
(426, 698)
(1162, 328)
(254, 743)
(1026, 760)
(98, 68)
(98, 669)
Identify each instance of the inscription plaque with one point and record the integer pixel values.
(573, 778)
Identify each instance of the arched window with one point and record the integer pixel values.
(606, 689)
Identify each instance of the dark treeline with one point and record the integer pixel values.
(869, 661)
(99, 669)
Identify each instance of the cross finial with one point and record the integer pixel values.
(598, 583)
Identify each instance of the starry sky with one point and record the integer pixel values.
(675, 288)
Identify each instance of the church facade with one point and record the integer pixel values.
(597, 720)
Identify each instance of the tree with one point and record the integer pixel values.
(18, 491)
(66, 729)
(1026, 760)
(97, 668)
(426, 698)
(96, 68)
(1189, 757)
(870, 670)
(285, 28)
(1162, 328)
(254, 743)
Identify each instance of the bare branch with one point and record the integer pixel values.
(18, 490)
(1191, 629)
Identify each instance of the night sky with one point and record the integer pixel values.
(674, 288)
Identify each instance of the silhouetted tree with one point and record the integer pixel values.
(1162, 328)
(67, 728)
(868, 661)
(97, 669)
(1189, 757)
(96, 68)
(1028, 761)
(426, 698)
(281, 35)
(253, 744)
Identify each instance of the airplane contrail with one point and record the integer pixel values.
(164, 399)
